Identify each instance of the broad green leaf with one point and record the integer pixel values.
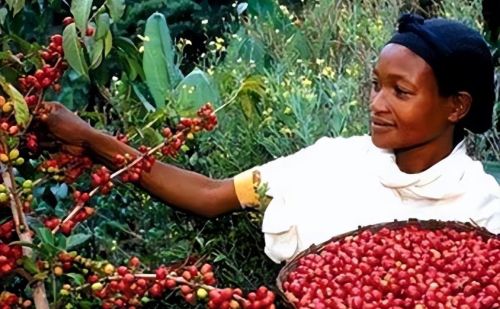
(102, 25)
(60, 241)
(60, 191)
(20, 107)
(116, 8)
(130, 57)
(3, 14)
(77, 278)
(81, 11)
(151, 136)
(16, 6)
(46, 236)
(73, 51)
(96, 54)
(138, 93)
(193, 91)
(158, 61)
(108, 43)
(76, 240)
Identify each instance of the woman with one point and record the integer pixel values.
(433, 80)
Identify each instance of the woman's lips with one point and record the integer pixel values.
(380, 124)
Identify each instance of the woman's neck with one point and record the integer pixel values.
(419, 158)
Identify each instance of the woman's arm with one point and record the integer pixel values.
(184, 189)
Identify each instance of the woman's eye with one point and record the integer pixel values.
(375, 85)
(400, 92)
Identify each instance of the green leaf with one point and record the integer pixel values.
(81, 12)
(60, 191)
(46, 236)
(3, 15)
(73, 52)
(76, 240)
(102, 25)
(116, 8)
(130, 55)
(96, 54)
(138, 93)
(193, 91)
(77, 278)
(151, 136)
(29, 265)
(20, 107)
(16, 6)
(108, 43)
(158, 61)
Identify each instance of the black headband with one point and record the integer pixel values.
(460, 60)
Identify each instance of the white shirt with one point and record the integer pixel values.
(339, 184)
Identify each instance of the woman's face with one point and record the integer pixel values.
(405, 106)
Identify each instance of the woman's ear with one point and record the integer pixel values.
(461, 103)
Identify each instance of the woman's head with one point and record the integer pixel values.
(441, 61)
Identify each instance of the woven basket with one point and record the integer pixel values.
(423, 224)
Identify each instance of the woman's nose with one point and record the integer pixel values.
(378, 103)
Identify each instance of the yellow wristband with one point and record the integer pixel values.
(245, 185)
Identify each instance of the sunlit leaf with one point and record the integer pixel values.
(76, 240)
(158, 61)
(20, 106)
(73, 51)
(116, 8)
(81, 11)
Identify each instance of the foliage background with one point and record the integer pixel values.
(286, 73)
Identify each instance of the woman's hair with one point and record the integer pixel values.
(460, 60)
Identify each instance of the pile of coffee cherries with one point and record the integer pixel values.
(404, 267)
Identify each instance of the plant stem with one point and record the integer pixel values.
(23, 232)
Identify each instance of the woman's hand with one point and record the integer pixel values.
(66, 126)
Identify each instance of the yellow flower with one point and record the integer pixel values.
(328, 72)
(306, 82)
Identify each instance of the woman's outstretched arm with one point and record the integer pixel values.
(181, 188)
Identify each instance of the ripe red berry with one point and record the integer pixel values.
(90, 31)
(67, 20)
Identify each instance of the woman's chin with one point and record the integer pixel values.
(380, 141)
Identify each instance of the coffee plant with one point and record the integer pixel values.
(36, 246)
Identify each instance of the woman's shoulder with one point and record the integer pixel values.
(347, 144)
(480, 180)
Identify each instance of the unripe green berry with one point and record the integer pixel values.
(3, 197)
(97, 286)
(201, 293)
(14, 154)
(27, 184)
